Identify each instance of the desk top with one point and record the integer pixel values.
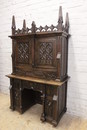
(37, 80)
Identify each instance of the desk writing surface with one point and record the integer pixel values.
(38, 80)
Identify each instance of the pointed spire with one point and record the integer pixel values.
(60, 15)
(13, 24)
(67, 23)
(33, 27)
(60, 19)
(24, 24)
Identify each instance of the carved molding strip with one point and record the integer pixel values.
(44, 75)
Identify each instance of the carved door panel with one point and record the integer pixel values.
(23, 56)
(45, 53)
(45, 58)
(24, 52)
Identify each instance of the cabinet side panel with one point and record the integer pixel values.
(64, 54)
(62, 98)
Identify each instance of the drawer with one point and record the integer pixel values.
(34, 86)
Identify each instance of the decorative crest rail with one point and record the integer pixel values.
(58, 28)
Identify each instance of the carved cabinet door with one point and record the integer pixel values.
(45, 57)
(45, 52)
(23, 55)
(23, 51)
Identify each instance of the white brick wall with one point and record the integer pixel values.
(46, 12)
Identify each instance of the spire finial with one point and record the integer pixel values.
(33, 27)
(67, 23)
(13, 24)
(24, 24)
(60, 19)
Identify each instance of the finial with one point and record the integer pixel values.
(13, 24)
(67, 23)
(33, 27)
(24, 24)
(60, 20)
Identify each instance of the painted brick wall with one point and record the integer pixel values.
(46, 12)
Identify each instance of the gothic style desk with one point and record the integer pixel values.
(39, 68)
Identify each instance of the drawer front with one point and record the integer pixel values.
(33, 86)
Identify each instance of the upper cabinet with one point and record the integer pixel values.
(41, 52)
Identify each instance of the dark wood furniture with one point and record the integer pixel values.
(39, 68)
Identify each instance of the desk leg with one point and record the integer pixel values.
(11, 95)
(21, 105)
(43, 114)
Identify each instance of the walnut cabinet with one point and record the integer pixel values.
(39, 68)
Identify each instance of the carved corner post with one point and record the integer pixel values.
(62, 45)
(33, 29)
(55, 104)
(65, 109)
(20, 93)
(58, 58)
(11, 95)
(43, 97)
(67, 30)
(59, 55)
(13, 44)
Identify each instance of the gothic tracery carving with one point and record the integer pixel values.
(23, 52)
(46, 53)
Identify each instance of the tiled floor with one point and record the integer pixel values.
(30, 120)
